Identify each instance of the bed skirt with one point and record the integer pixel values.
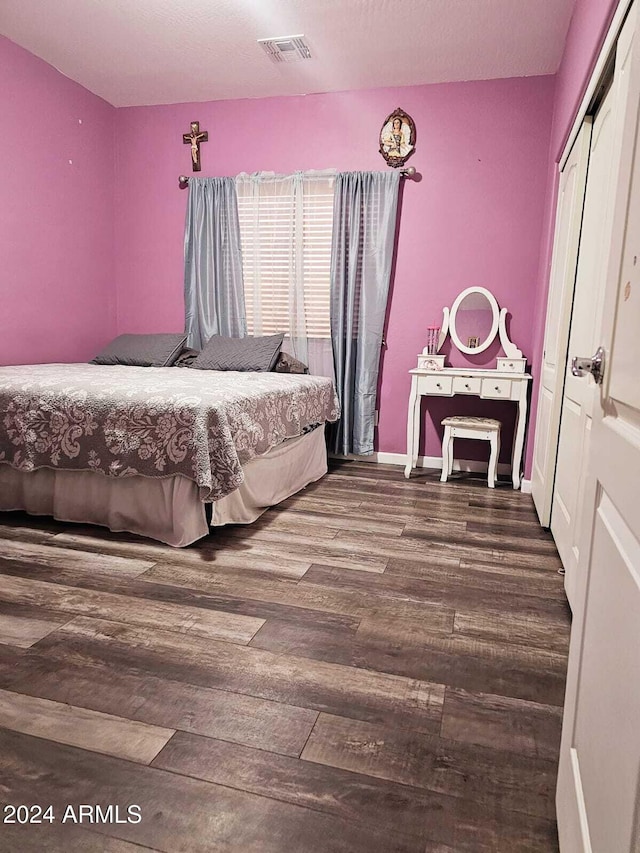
(167, 509)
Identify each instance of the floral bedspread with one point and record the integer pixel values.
(154, 422)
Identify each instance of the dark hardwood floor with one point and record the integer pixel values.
(374, 665)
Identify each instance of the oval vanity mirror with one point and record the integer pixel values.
(473, 323)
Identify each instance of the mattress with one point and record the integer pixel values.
(169, 508)
(123, 422)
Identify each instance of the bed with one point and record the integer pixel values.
(158, 451)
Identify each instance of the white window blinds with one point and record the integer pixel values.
(286, 226)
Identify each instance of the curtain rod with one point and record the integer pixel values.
(409, 172)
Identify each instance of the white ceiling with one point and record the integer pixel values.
(134, 52)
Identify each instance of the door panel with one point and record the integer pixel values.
(625, 373)
(563, 270)
(610, 765)
(586, 315)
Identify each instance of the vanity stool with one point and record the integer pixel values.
(486, 429)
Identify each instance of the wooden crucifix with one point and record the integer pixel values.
(194, 139)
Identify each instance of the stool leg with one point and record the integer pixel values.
(451, 456)
(493, 460)
(446, 443)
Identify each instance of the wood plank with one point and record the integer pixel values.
(416, 648)
(75, 726)
(318, 502)
(434, 818)
(487, 776)
(469, 663)
(171, 590)
(361, 512)
(314, 517)
(62, 837)
(526, 728)
(74, 601)
(288, 679)
(500, 577)
(508, 513)
(320, 642)
(500, 526)
(355, 602)
(202, 553)
(330, 552)
(65, 558)
(365, 470)
(345, 551)
(401, 512)
(487, 541)
(506, 627)
(418, 545)
(18, 533)
(179, 814)
(278, 521)
(523, 507)
(123, 691)
(398, 632)
(24, 626)
(10, 656)
(401, 587)
(350, 496)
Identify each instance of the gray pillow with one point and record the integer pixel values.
(186, 357)
(243, 354)
(142, 350)
(286, 363)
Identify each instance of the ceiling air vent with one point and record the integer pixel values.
(286, 48)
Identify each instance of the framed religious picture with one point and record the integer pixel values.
(397, 138)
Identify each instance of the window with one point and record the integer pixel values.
(286, 226)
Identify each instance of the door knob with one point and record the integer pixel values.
(594, 366)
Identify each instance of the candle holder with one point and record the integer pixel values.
(433, 340)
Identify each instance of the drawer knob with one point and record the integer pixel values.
(466, 385)
(438, 385)
(498, 388)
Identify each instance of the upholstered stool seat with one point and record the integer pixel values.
(486, 429)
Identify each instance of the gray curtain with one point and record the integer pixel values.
(213, 288)
(364, 227)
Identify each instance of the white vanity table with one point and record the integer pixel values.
(475, 310)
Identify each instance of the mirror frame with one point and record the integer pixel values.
(494, 324)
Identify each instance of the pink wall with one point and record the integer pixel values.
(96, 245)
(589, 24)
(57, 294)
(588, 28)
(474, 218)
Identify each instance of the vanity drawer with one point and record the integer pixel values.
(511, 365)
(466, 384)
(434, 362)
(435, 384)
(498, 388)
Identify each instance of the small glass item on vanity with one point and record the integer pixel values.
(433, 340)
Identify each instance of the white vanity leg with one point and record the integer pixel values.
(413, 428)
(493, 459)
(518, 441)
(446, 454)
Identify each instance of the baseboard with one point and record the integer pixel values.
(472, 466)
(525, 487)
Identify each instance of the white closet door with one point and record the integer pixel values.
(598, 796)
(579, 396)
(563, 272)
